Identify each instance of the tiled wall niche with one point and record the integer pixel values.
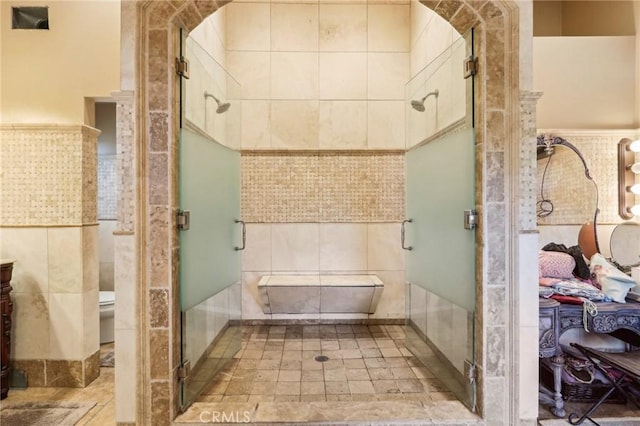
(48, 225)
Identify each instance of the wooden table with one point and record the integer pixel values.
(621, 320)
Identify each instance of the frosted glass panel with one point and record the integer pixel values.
(440, 186)
(211, 336)
(210, 191)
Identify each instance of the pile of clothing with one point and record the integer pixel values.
(565, 276)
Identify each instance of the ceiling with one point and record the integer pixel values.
(584, 18)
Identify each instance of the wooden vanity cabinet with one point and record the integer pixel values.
(6, 309)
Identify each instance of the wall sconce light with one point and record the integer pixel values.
(627, 171)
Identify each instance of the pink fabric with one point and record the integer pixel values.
(548, 282)
(554, 264)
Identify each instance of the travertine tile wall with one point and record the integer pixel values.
(126, 257)
(446, 325)
(106, 254)
(436, 53)
(337, 84)
(526, 289)
(107, 215)
(48, 224)
(324, 248)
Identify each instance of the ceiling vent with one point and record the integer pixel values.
(30, 18)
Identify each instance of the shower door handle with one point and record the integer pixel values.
(402, 232)
(244, 235)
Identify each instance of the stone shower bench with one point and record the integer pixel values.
(319, 294)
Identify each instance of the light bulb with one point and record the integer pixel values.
(635, 210)
(635, 146)
(635, 188)
(635, 168)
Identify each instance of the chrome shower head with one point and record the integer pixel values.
(419, 105)
(222, 107)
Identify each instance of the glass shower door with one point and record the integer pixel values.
(211, 233)
(438, 236)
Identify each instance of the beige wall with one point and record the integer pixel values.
(46, 74)
(588, 82)
(584, 18)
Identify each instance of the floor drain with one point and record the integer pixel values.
(321, 358)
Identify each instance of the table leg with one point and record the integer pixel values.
(557, 362)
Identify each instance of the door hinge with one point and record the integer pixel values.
(470, 219)
(470, 66)
(184, 370)
(182, 67)
(470, 370)
(184, 220)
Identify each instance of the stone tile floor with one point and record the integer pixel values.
(368, 376)
(365, 363)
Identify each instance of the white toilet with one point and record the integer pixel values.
(107, 309)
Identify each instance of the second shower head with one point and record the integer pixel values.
(222, 106)
(419, 105)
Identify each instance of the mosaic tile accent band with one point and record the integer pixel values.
(322, 186)
(107, 192)
(528, 183)
(49, 174)
(126, 176)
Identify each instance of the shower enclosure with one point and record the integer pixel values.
(439, 232)
(440, 250)
(211, 233)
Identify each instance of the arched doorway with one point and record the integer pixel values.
(150, 218)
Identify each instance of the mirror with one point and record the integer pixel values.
(567, 193)
(625, 246)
